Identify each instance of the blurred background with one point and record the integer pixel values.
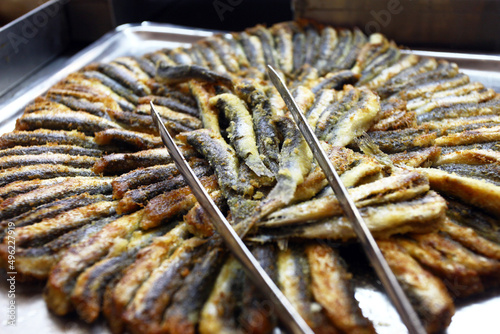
(34, 32)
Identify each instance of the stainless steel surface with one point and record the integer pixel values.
(29, 42)
(478, 315)
(372, 251)
(285, 311)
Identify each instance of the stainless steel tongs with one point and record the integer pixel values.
(377, 260)
(285, 311)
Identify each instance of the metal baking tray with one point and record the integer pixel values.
(479, 314)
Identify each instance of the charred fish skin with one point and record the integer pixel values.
(241, 132)
(24, 202)
(266, 132)
(51, 148)
(137, 198)
(119, 163)
(42, 137)
(222, 158)
(11, 161)
(183, 73)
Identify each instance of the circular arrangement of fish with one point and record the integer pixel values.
(101, 213)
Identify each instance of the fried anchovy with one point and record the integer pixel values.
(181, 73)
(425, 157)
(47, 159)
(141, 177)
(444, 95)
(51, 148)
(24, 186)
(294, 280)
(50, 228)
(133, 65)
(267, 42)
(355, 121)
(21, 203)
(265, 130)
(36, 261)
(175, 202)
(427, 293)
(135, 198)
(375, 66)
(241, 131)
(429, 88)
(405, 62)
(146, 261)
(180, 102)
(70, 120)
(403, 78)
(469, 238)
(183, 313)
(73, 103)
(283, 35)
(222, 158)
(209, 115)
(52, 209)
(144, 123)
(63, 275)
(324, 99)
(114, 85)
(486, 226)
(179, 56)
(345, 100)
(419, 214)
(491, 107)
(174, 116)
(463, 271)
(119, 163)
(125, 77)
(331, 288)
(348, 59)
(146, 65)
(41, 172)
(394, 141)
(299, 50)
(225, 53)
(96, 85)
(255, 315)
(126, 138)
(477, 135)
(218, 314)
(489, 172)
(253, 50)
(144, 176)
(43, 136)
(87, 293)
(335, 80)
(327, 43)
(197, 220)
(78, 97)
(211, 57)
(479, 193)
(145, 311)
(294, 164)
(399, 187)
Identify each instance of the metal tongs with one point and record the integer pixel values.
(377, 260)
(285, 311)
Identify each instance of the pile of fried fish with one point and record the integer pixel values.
(99, 210)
